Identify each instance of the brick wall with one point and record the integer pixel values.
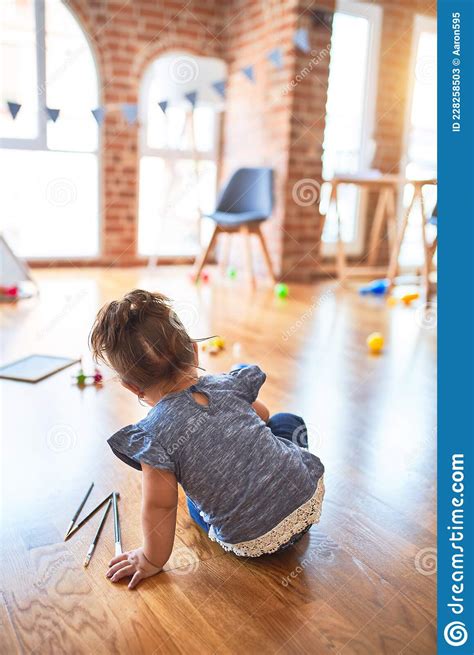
(126, 37)
(277, 121)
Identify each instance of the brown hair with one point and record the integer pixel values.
(142, 339)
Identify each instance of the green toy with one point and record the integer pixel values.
(281, 290)
(232, 272)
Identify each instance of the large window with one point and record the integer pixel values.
(420, 133)
(50, 204)
(178, 153)
(348, 137)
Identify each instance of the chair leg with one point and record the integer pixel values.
(266, 254)
(224, 259)
(205, 253)
(248, 253)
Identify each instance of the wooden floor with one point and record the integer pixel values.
(360, 582)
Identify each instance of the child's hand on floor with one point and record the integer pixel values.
(133, 563)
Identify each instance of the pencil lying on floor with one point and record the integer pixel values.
(97, 535)
(79, 525)
(78, 511)
(117, 537)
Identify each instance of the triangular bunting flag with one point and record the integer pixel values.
(301, 39)
(52, 114)
(99, 114)
(130, 112)
(276, 57)
(249, 73)
(13, 108)
(192, 97)
(163, 105)
(220, 87)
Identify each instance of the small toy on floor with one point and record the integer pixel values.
(232, 272)
(408, 298)
(375, 342)
(9, 292)
(215, 345)
(204, 277)
(281, 290)
(376, 288)
(82, 380)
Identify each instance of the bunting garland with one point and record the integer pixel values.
(220, 88)
(249, 73)
(192, 97)
(99, 115)
(53, 114)
(130, 110)
(13, 108)
(301, 40)
(276, 57)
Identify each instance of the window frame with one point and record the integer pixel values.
(174, 154)
(40, 143)
(374, 15)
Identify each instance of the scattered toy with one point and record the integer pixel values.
(216, 344)
(375, 342)
(232, 272)
(204, 277)
(10, 292)
(408, 298)
(392, 301)
(376, 287)
(281, 290)
(82, 379)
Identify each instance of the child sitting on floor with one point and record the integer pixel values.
(249, 483)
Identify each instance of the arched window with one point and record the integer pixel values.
(179, 149)
(50, 205)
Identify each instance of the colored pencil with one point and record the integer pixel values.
(117, 536)
(78, 511)
(97, 534)
(86, 518)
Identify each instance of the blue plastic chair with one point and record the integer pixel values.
(244, 203)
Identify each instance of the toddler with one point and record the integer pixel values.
(250, 481)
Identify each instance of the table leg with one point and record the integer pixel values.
(377, 225)
(393, 264)
(340, 253)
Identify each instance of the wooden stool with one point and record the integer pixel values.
(385, 214)
(428, 248)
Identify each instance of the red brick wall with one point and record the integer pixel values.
(257, 120)
(303, 223)
(272, 122)
(126, 37)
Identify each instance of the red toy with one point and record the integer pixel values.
(11, 292)
(82, 379)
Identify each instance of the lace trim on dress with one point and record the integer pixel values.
(307, 514)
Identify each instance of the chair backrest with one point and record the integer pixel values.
(249, 189)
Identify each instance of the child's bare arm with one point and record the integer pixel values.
(159, 506)
(261, 410)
